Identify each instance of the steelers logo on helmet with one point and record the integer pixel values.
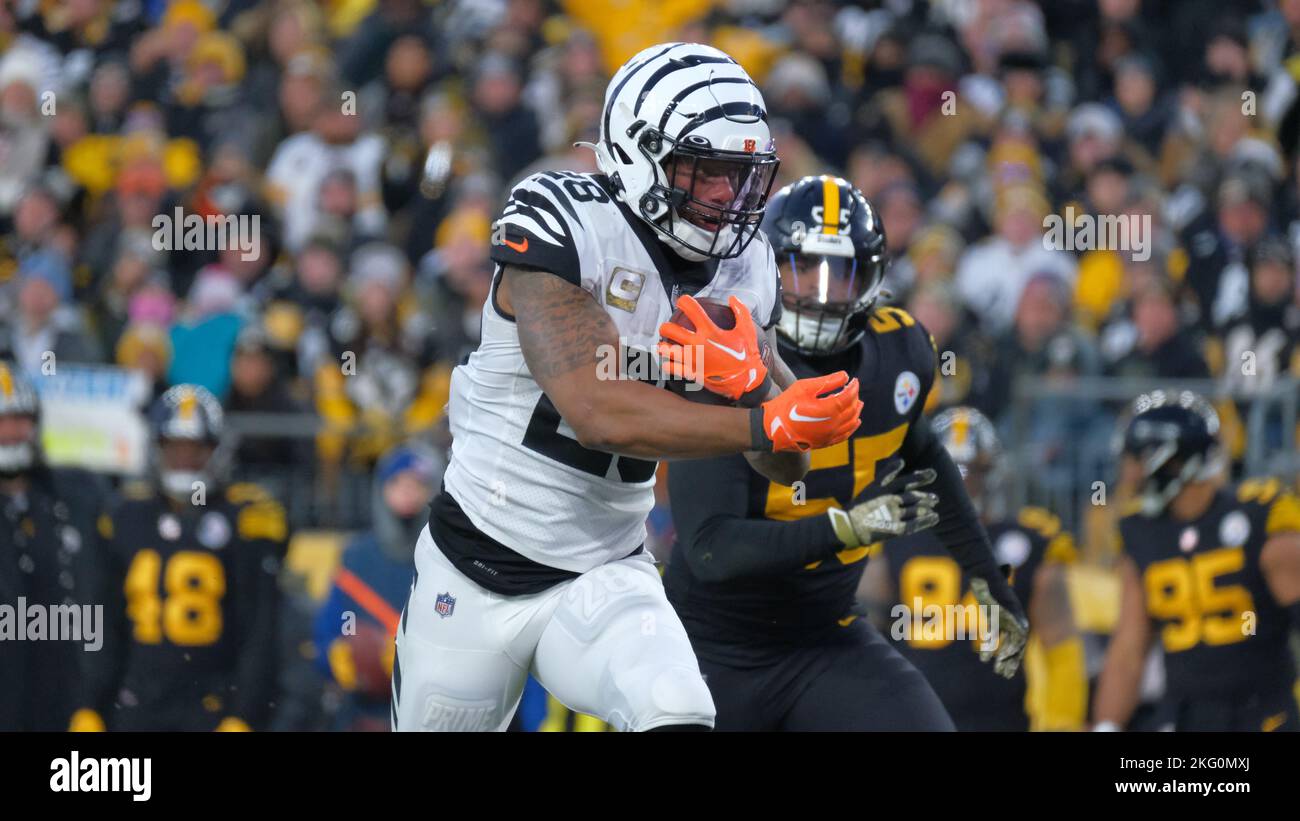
(685, 143)
(830, 247)
(187, 441)
(20, 445)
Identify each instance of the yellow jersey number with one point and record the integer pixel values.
(936, 580)
(1183, 592)
(188, 611)
(863, 453)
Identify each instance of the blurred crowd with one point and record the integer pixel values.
(376, 139)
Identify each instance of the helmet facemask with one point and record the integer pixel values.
(1169, 456)
(189, 449)
(984, 479)
(710, 202)
(825, 300)
(184, 462)
(20, 455)
(1165, 473)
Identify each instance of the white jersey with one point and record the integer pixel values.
(517, 470)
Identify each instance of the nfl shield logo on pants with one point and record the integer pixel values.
(445, 604)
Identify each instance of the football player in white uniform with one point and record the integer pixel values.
(533, 560)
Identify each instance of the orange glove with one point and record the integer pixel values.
(727, 362)
(801, 418)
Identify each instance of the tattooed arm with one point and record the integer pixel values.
(788, 467)
(561, 329)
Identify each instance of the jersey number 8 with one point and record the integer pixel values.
(189, 611)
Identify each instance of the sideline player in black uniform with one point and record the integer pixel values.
(47, 527)
(764, 575)
(916, 574)
(188, 578)
(1209, 572)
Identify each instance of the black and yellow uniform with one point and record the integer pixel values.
(190, 593)
(924, 576)
(1227, 661)
(766, 590)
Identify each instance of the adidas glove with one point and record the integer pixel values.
(892, 507)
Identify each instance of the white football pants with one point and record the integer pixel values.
(607, 643)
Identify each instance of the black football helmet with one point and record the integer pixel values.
(1174, 436)
(190, 413)
(830, 245)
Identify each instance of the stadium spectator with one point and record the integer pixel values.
(257, 385)
(353, 629)
(204, 337)
(511, 127)
(145, 346)
(1043, 343)
(993, 272)
(138, 196)
(46, 329)
(298, 171)
(966, 355)
(132, 274)
(379, 385)
(1260, 346)
(1152, 343)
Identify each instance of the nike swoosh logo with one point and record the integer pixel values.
(521, 247)
(796, 416)
(740, 355)
(777, 424)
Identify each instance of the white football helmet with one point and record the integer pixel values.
(688, 113)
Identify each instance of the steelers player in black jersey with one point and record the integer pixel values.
(931, 613)
(188, 581)
(764, 575)
(1210, 572)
